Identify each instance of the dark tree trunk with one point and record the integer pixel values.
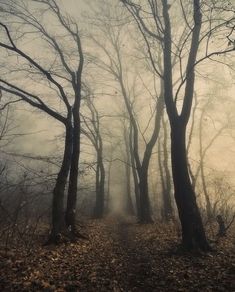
(129, 209)
(137, 190)
(58, 223)
(70, 216)
(167, 210)
(222, 229)
(107, 206)
(167, 196)
(100, 179)
(100, 193)
(95, 137)
(190, 137)
(209, 211)
(201, 166)
(97, 188)
(144, 208)
(193, 235)
(102, 187)
(134, 173)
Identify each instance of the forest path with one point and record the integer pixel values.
(133, 268)
(120, 256)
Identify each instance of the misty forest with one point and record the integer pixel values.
(117, 134)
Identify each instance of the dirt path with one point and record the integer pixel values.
(137, 266)
(120, 263)
(119, 256)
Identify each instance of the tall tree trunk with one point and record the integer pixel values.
(97, 187)
(137, 190)
(190, 137)
(167, 210)
(100, 184)
(129, 209)
(70, 216)
(107, 207)
(167, 196)
(58, 223)
(193, 235)
(144, 210)
(134, 172)
(209, 211)
(100, 194)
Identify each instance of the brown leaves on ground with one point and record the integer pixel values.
(119, 256)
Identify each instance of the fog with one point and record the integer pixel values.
(111, 44)
(114, 113)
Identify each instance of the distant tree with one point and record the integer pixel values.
(91, 129)
(128, 166)
(202, 152)
(163, 161)
(202, 112)
(111, 60)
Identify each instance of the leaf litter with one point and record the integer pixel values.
(119, 255)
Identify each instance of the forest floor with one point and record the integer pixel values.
(119, 255)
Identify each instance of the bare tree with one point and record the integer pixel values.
(163, 161)
(92, 131)
(128, 166)
(203, 150)
(63, 77)
(113, 63)
(155, 21)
